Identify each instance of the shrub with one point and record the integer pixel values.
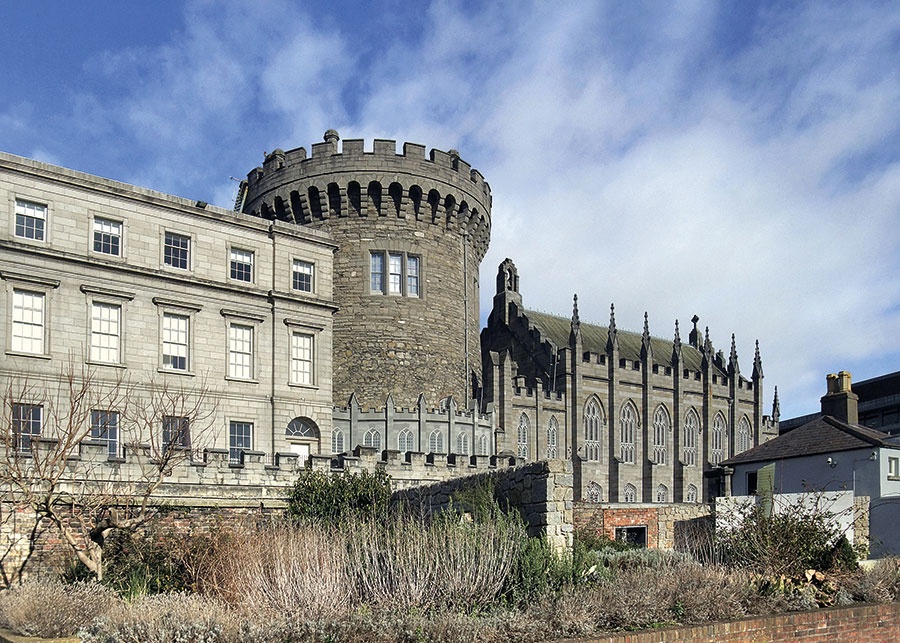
(335, 497)
(64, 608)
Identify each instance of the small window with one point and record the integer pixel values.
(105, 428)
(27, 420)
(634, 536)
(662, 493)
(595, 493)
(240, 352)
(106, 331)
(894, 467)
(107, 237)
(28, 322)
(630, 493)
(395, 274)
(377, 272)
(175, 346)
(240, 439)
(177, 251)
(302, 278)
(176, 433)
(337, 441)
(241, 265)
(31, 220)
(412, 276)
(691, 495)
(752, 483)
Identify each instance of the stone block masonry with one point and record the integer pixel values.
(666, 524)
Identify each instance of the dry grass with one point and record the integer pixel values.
(50, 608)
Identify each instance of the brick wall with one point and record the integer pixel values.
(869, 623)
(666, 523)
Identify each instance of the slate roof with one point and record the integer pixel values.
(594, 338)
(824, 434)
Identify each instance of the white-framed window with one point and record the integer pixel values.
(628, 430)
(394, 273)
(552, 439)
(522, 436)
(28, 316)
(240, 439)
(717, 453)
(303, 275)
(372, 438)
(593, 427)
(105, 428)
(27, 421)
(337, 441)
(691, 429)
(240, 351)
(594, 492)
(107, 237)
(302, 358)
(691, 495)
(31, 220)
(436, 442)
(894, 467)
(176, 433)
(630, 493)
(405, 441)
(483, 444)
(462, 443)
(176, 341)
(106, 332)
(177, 250)
(241, 265)
(661, 428)
(662, 493)
(744, 439)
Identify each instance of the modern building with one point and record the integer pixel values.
(831, 452)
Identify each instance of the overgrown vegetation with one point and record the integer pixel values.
(361, 572)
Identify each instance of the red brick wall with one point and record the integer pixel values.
(862, 623)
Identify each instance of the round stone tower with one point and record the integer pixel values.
(411, 230)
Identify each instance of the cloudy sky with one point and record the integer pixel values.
(735, 160)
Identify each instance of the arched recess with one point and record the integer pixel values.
(628, 431)
(594, 419)
(354, 199)
(449, 208)
(395, 192)
(315, 202)
(662, 426)
(718, 440)
(303, 437)
(373, 198)
(334, 200)
(434, 201)
(415, 200)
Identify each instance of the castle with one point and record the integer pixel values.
(333, 315)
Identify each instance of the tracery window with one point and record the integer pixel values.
(522, 437)
(337, 441)
(552, 438)
(691, 495)
(483, 445)
(744, 440)
(405, 441)
(717, 453)
(372, 438)
(593, 426)
(436, 442)
(628, 424)
(662, 493)
(661, 427)
(594, 492)
(630, 493)
(691, 429)
(462, 443)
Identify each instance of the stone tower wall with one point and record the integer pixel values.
(434, 208)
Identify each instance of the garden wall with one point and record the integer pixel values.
(666, 524)
(869, 623)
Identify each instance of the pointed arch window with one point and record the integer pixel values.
(630, 493)
(436, 442)
(483, 445)
(522, 437)
(372, 438)
(691, 430)
(717, 452)
(593, 427)
(662, 493)
(744, 440)
(552, 439)
(661, 428)
(691, 495)
(628, 425)
(462, 443)
(594, 492)
(405, 441)
(337, 441)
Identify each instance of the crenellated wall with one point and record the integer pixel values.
(418, 331)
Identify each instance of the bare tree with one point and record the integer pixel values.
(57, 430)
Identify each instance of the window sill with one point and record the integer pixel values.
(43, 356)
(241, 380)
(894, 478)
(91, 362)
(312, 387)
(175, 371)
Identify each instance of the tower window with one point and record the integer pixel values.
(394, 273)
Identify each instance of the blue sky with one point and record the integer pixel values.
(736, 160)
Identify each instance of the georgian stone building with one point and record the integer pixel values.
(641, 418)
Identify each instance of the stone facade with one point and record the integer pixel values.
(641, 418)
(408, 325)
(124, 283)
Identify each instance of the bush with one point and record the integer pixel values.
(50, 608)
(333, 498)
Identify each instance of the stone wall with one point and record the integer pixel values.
(668, 525)
(540, 491)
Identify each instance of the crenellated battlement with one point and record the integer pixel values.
(344, 180)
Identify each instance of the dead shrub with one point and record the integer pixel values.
(64, 608)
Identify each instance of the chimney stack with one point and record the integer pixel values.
(840, 401)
